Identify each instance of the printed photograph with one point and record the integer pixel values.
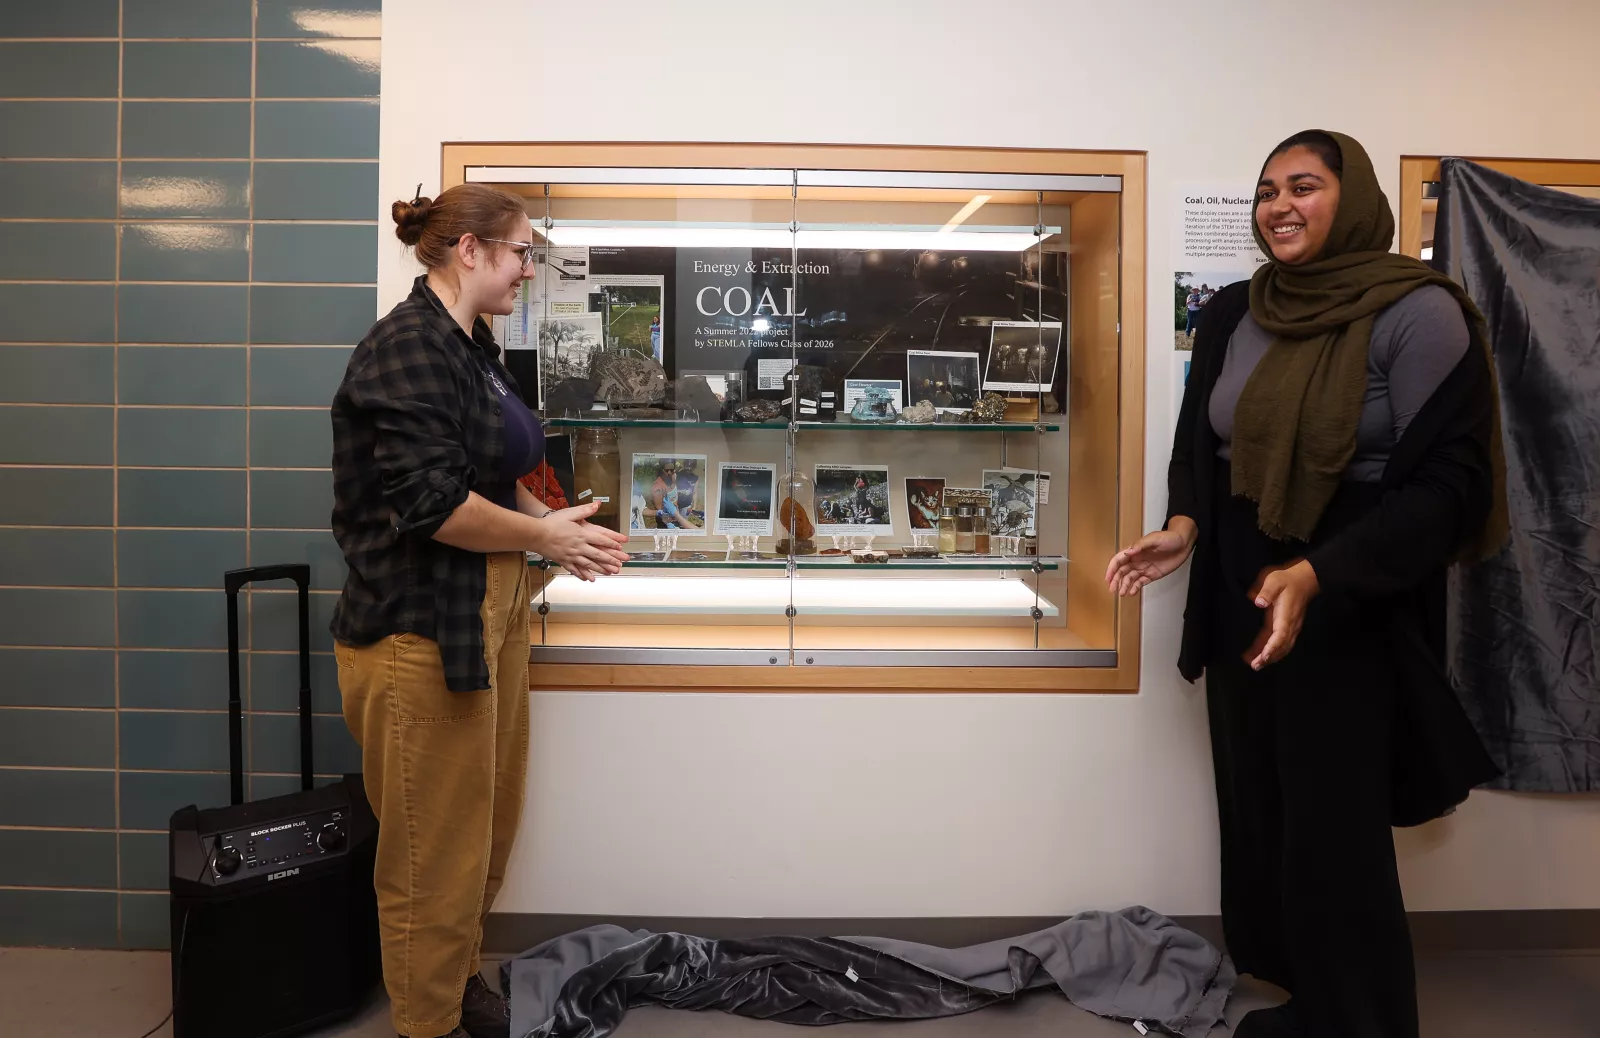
(747, 498)
(1191, 293)
(924, 498)
(669, 495)
(1016, 501)
(631, 310)
(853, 499)
(566, 345)
(948, 380)
(1022, 356)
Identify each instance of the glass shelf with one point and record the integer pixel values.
(664, 423)
(718, 560)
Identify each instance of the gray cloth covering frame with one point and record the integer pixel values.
(1525, 626)
(1128, 965)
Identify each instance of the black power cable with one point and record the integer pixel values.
(177, 953)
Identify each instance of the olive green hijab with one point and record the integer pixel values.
(1295, 424)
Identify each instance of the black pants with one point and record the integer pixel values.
(1310, 893)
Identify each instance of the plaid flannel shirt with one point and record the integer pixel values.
(416, 425)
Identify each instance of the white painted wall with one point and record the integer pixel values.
(825, 805)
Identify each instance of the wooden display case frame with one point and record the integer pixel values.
(1112, 285)
(1417, 170)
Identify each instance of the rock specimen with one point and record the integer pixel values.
(989, 409)
(758, 411)
(629, 379)
(694, 393)
(921, 413)
(570, 398)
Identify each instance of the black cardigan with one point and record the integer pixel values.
(1437, 491)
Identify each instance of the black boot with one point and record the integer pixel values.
(484, 1013)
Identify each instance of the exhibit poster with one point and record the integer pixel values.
(668, 494)
(924, 499)
(946, 379)
(1213, 247)
(747, 498)
(566, 345)
(852, 500)
(1017, 497)
(516, 330)
(856, 311)
(1022, 356)
(562, 284)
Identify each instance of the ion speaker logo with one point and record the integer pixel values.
(285, 874)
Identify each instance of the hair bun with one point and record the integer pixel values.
(410, 218)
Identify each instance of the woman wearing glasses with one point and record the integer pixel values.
(429, 442)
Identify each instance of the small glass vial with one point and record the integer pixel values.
(947, 531)
(965, 539)
(980, 531)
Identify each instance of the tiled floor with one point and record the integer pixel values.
(71, 994)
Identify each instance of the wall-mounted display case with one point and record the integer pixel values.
(871, 417)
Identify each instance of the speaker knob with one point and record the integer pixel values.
(228, 861)
(331, 838)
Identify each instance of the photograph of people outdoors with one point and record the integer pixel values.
(853, 499)
(1191, 292)
(669, 495)
(632, 312)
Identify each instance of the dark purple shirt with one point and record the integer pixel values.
(524, 440)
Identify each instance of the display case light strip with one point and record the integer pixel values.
(695, 594)
(968, 239)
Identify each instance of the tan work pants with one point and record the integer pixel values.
(444, 772)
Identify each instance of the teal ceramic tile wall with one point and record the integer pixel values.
(186, 70)
(186, 19)
(58, 677)
(179, 291)
(156, 497)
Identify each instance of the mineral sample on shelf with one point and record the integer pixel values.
(990, 409)
(920, 413)
(819, 390)
(693, 393)
(758, 411)
(570, 398)
(629, 379)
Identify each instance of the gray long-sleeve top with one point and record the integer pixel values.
(1415, 344)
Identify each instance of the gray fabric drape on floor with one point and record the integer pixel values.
(1525, 626)
(1127, 965)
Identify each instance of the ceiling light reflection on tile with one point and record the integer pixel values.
(363, 54)
(194, 237)
(170, 193)
(339, 23)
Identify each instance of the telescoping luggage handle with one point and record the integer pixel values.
(233, 580)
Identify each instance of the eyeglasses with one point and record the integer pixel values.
(525, 250)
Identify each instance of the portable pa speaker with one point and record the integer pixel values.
(274, 919)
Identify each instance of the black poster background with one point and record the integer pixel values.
(858, 311)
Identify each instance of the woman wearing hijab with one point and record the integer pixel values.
(1337, 450)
